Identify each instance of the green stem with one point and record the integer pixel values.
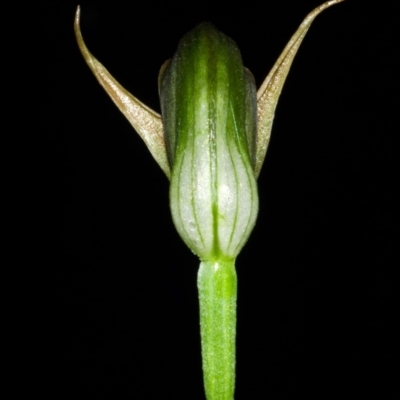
(217, 284)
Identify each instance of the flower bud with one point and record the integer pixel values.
(208, 103)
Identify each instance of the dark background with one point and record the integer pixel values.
(316, 279)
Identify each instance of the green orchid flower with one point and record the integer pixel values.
(210, 142)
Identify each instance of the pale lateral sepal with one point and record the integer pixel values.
(145, 121)
(269, 92)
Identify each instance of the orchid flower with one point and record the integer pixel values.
(211, 142)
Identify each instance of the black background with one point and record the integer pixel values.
(316, 279)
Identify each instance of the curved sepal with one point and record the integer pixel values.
(270, 90)
(146, 122)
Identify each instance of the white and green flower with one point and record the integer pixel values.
(211, 142)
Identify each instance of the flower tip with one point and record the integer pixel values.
(78, 34)
(77, 21)
(77, 15)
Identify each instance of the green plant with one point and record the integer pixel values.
(210, 142)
